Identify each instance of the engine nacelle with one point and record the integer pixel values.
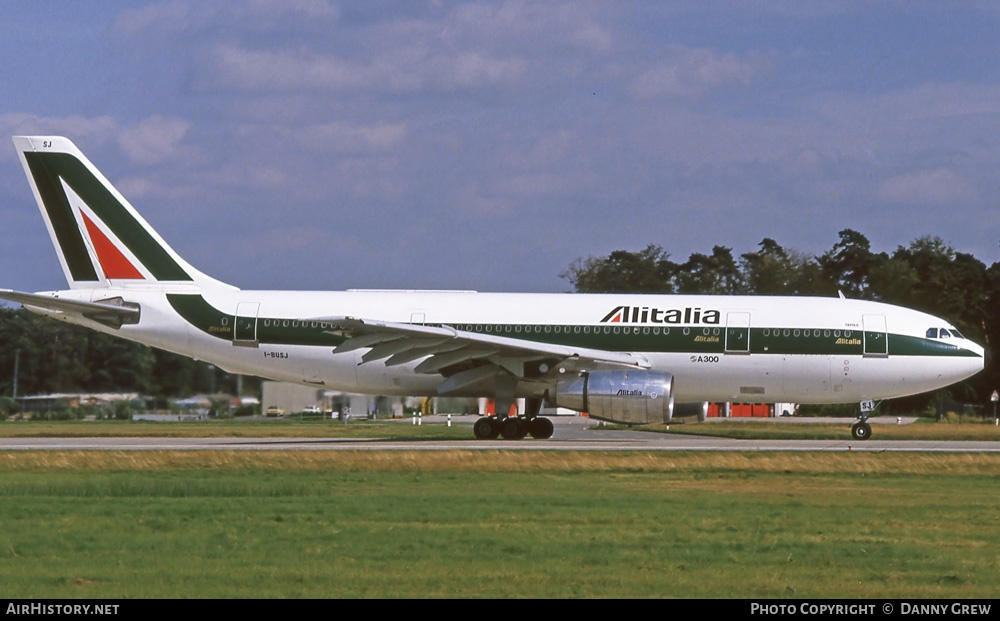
(628, 397)
(699, 409)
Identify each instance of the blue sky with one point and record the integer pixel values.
(314, 144)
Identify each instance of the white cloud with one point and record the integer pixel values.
(178, 16)
(380, 137)
(154, 139)
(252, 176)
(95, 130)
(550, 149)
(400, 70)
(532, 24)
(133, 188)
(270, 71)
(461, 47)
(924, 102)
(14, 123)
(691, 72)
(941, 187)
(475, 68)
(171, 16)
(542, 183)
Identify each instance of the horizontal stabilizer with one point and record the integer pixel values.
(113, 312)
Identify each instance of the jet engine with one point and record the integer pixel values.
(627, 397)
(699, 409)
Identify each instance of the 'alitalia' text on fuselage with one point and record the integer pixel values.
(651, 314)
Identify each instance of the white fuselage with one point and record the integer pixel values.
(718, 348)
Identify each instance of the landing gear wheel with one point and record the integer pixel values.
(861, 431)
(514, 429)
(486, 428)
(540, 428)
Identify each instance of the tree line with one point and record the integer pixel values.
(927, 275)
(57, 357)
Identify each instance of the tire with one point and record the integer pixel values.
(486, 428)
(861, 431)
(514, 429)
(541, 428)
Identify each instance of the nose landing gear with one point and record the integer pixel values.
(861, 430)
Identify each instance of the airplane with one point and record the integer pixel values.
(626, 358)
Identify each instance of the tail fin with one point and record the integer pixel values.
(100, 238)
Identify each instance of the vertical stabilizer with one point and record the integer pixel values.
(99, 237)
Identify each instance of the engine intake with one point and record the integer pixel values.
(628, 397)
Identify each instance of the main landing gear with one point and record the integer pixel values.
(513, 428)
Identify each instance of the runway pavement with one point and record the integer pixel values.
(571, 434)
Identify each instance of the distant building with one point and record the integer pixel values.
(55, 401)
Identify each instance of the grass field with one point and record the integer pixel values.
(498, 524)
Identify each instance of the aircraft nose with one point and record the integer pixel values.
(978, 362)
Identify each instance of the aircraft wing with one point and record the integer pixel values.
(465, 358)
(113, 312)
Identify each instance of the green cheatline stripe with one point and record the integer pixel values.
(210, 320)
(640, 339)
(47, 169)
(74, 250)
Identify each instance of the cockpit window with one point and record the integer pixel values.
(943, 333)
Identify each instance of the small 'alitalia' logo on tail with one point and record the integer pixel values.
(651, 314)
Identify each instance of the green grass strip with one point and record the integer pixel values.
(497, 524)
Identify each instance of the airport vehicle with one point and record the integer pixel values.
(623, 358)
